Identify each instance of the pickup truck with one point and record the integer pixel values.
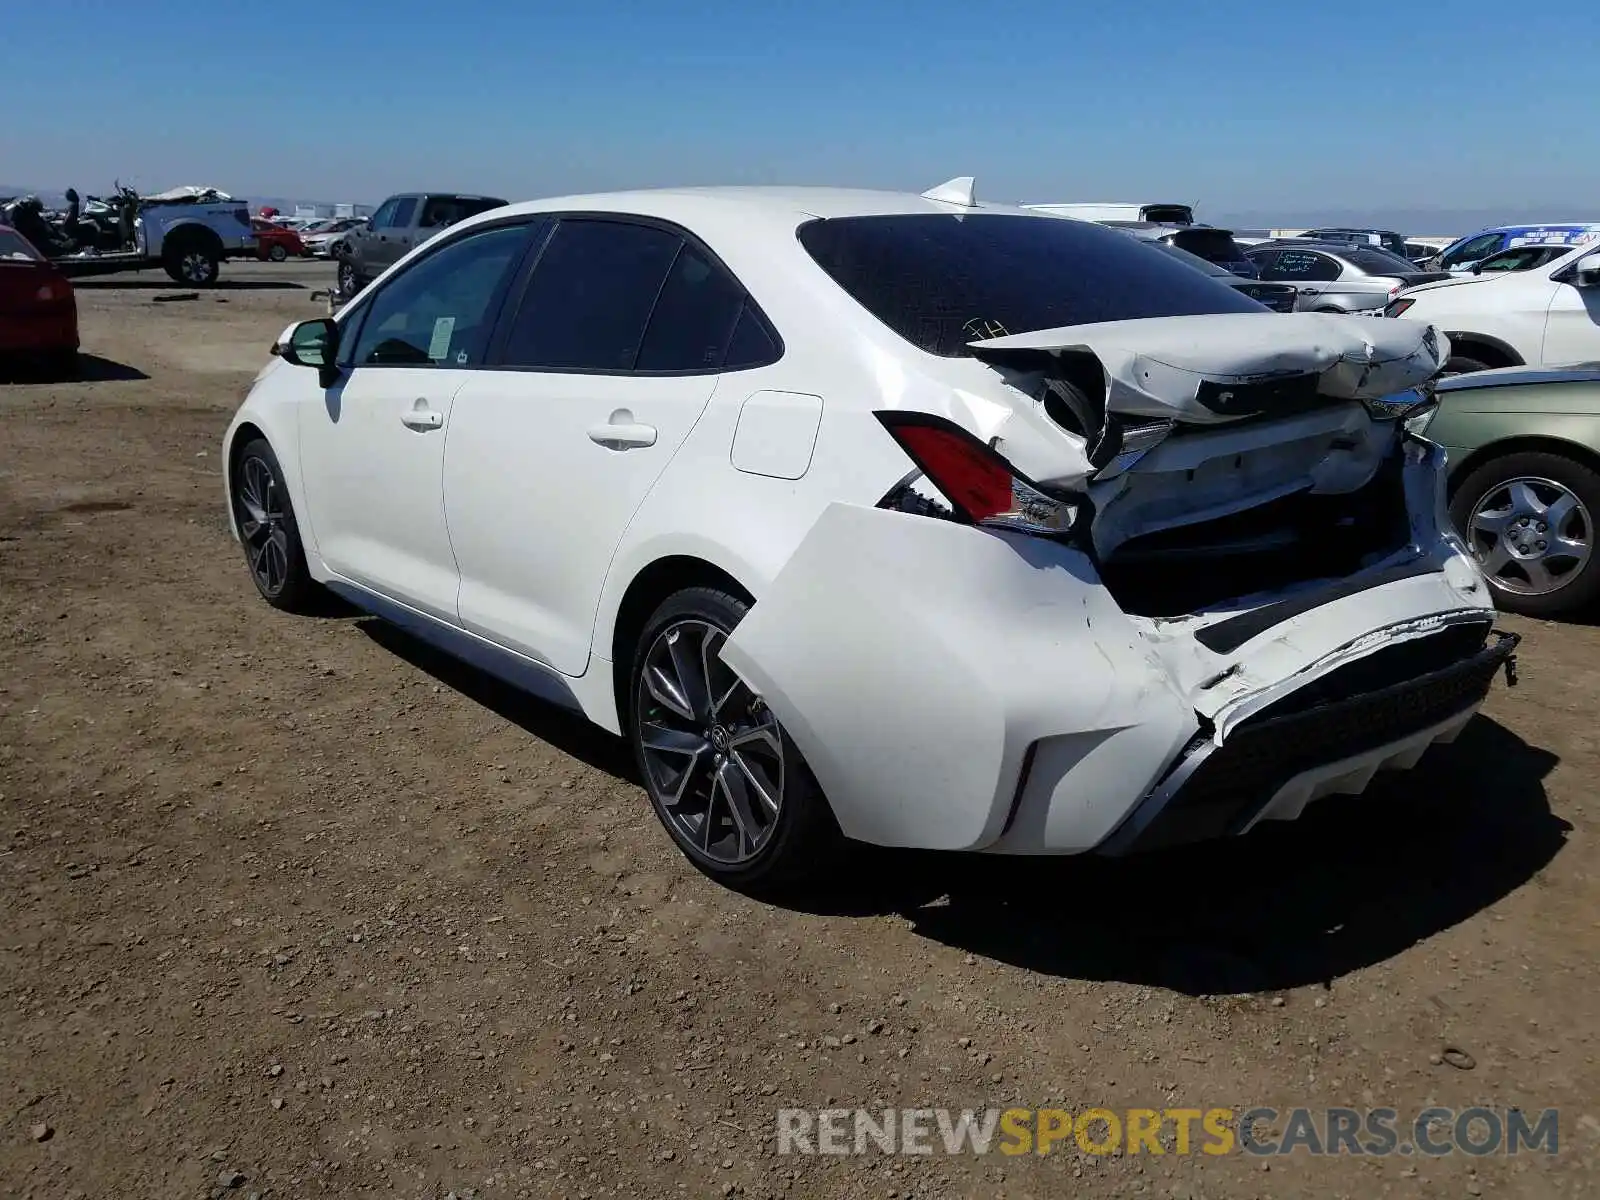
(188, 239)
(401, 223)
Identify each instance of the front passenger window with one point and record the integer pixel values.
(437, 312)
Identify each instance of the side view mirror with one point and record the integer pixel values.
(1587, 273)
(311, 344)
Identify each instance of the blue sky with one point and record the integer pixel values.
(1234, 105)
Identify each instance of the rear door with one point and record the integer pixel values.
(1310, 274)
(610, 357)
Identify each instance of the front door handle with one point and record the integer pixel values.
(422, 417)
(622, 435)
(1309, 292)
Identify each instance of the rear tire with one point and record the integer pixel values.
(725, 779)
(1496, 508)
(268, 531)
(277, 253)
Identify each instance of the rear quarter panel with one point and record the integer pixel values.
(1471, 423)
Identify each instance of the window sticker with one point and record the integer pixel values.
(439, 346)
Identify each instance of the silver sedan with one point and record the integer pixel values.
(1340, 277)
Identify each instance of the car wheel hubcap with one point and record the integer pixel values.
(196, 268)
(1531, 535)
(261, 525)
(713, 755)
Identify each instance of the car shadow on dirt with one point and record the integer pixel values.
(1355, 881)
(566, 731)
(86, 368)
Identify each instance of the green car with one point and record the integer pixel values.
(1524, 480)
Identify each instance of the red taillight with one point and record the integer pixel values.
(976, 480)
(982, 487)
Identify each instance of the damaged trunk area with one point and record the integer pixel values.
(1295, 539)
(1225, 457)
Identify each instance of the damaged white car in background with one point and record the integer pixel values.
(908, 520)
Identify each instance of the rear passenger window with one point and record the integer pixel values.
(752, 345)
(693, 318)
(587, 303)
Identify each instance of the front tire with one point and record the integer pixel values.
(1528, 518)
(268, 530)
(350, 282)
(277, 253)
(724, 777)
(1462, 364)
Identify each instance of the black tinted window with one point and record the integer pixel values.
(1379, 262)
(1295, 266)
(1193, 260)
(586, 305)
(938, 280)
(693, 317)
(437, 312)
(403, 213)
(447, 210)
(752, 345)
(1213, 245)
(1473, 249)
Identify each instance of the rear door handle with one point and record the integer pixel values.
(623, 435)
(422, 417)
(1309, 292)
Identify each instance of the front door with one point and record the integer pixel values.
(609, 360)
(1572, 329)
(372, 445)
(388, 243)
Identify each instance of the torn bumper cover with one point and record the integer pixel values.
(958, 688)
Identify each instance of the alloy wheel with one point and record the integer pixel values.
(196, 267)
(713, 753)
(1531, 535)
(260, 511)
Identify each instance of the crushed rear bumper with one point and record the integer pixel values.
(1334, 741)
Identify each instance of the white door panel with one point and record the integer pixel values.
(1572, 330)
(372, 457)
(544, 472)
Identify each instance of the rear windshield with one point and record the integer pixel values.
(943, 281)
(13, 248)
(1379, 262)
(1194, 260)
(1216, 245)
(1168, 214)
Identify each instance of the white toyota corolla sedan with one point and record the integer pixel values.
(900, 519)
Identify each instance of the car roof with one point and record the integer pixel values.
(783, 203)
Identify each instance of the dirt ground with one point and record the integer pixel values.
(290, 907)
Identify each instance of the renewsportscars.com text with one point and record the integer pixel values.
(1156, 1131)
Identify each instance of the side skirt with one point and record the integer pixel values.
(515, 669)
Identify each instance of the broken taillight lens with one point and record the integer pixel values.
(982, 487)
